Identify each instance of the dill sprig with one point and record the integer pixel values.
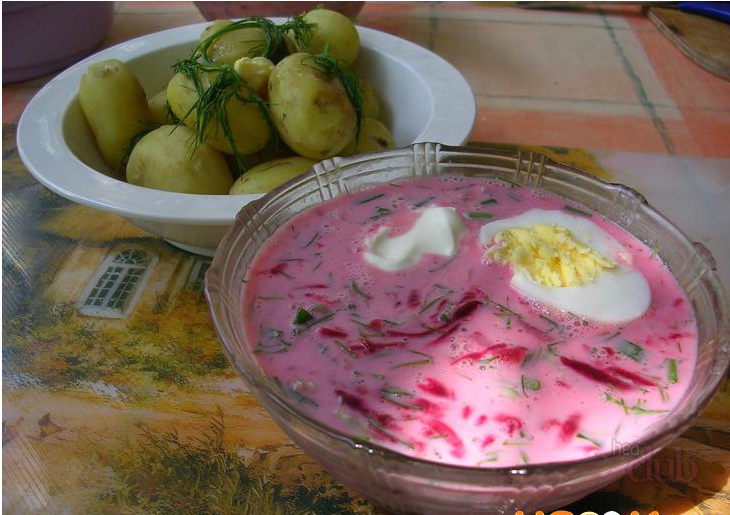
(347, 76)
(127, 151)
(226, 84)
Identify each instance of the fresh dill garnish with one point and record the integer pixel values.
(479, 215)
(370, 198)
(631, 351)
(488, 201)
(314, 237)
(356, 288)
(588, 438)
(148, 127)
(217, 84)
(424, 201)
(672, 375)
(347, 76)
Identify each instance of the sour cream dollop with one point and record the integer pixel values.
(437, 231)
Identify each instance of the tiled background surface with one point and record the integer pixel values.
(589, 79)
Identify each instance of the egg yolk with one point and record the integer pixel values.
(549, 255)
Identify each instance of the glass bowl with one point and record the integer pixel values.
(402, 484)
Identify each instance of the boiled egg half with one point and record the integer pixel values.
(569, 263)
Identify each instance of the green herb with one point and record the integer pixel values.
(267, 298)
(359, 291)
(654, 250)
(424, 201)
(524, 457)
(396, 391)
(368, 327)
(314, 237)
(381, 212)
(309, 320)
(415, 363)
(345, 349)
(434, 301)
(511, 392)
(551, 348)
(637, 408)
(588, 438)
(614, 335)
(672, 376)
(379, 427)
(524, 441)
(578, 212)
(370, 199)
(488, 201)
(552, 323)
(444, 317)
(388, 394)
(663, 392)
(302, 317)
(640, 410)
(487, 361)
(216, 84)
(631, 351)
(479, 215)
(618, 402)
(529, 383)
(149, 127)
(445, 263)
(503, 307)
(347, 76)
(490, 458)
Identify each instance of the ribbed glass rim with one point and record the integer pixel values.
(527, 168)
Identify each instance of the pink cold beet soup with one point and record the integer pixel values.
(444, 359)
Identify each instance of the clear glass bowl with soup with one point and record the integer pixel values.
(406, 484)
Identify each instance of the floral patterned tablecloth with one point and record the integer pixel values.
(116, 396)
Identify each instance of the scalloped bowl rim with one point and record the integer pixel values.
(656, 433)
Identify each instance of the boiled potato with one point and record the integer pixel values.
(250, 131)
(115, 106)
(160, 112)
(214, 27)
(231, 46)
(267, 176)
(370, 103)
(256, 72)
(374, 137)
(334, 29)
(164, 160)
(310, 108)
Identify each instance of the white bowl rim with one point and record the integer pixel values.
(42, 147)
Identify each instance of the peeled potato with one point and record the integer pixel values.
(214, 27)
(370, 103)
(310, 108)
(250, 131)
(374, 137)
(159, 111)
(164, 160)
(115, 106)
(231, 46)
(256, 72)
(267, 176)
(334, 29)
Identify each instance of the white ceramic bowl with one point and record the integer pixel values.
(423, 98)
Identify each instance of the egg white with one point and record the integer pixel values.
(617, 296)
